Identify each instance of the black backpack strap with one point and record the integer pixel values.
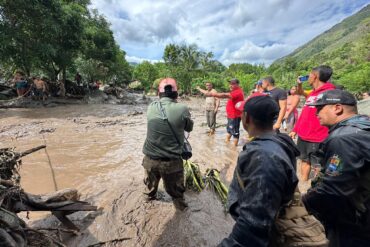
(165, 118)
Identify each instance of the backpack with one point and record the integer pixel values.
(294, 227)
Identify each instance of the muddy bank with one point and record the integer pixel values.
(97, 149)
(94, 97)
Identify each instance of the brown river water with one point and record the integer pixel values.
(97, 149)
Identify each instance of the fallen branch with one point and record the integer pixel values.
(109, 241)
(57, 243)
(32, 150)
(60, 229)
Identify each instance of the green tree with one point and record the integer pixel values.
(187, 62)
(146, 73)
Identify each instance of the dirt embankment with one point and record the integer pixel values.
(97, 149)
(93, 97)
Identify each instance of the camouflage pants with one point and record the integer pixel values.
(172, 173)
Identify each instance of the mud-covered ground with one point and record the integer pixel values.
(97, 149)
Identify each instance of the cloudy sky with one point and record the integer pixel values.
(253, 31)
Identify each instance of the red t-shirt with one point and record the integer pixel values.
(236, 96)
(308, 126)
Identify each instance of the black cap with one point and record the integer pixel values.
(333, 97)
(262, 108)
(234, 80)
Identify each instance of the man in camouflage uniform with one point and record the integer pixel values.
(340, 195)
(162, 148)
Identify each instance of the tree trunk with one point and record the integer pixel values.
(64, 74)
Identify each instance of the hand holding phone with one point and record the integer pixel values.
(303, 78)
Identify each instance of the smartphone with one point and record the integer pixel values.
(303, 78)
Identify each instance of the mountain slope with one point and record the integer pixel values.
(350, 29)
(345, 47)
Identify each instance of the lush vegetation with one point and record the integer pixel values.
(192, 67)
(59, 37)
(63, 37)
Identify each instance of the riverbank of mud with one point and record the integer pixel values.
(93, 97)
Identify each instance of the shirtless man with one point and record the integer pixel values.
(40, 88)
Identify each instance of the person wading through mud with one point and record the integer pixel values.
(340, 195)
(264, 178)
(162, 149)
(212, 104)
(233, 115)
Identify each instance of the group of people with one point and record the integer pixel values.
(38, 88)
(329, 130)
(287, 102)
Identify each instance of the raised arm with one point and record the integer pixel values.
(300, 90)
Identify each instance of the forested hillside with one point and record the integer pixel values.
(345, 47)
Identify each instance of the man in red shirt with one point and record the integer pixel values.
(310, 132)
(233, 115)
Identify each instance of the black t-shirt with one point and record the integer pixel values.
(277, 94)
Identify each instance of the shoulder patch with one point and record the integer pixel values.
(334, 167)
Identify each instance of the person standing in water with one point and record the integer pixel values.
(162, 149)
(233, 115)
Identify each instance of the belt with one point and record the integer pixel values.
(160, 158)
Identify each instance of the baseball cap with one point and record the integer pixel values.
(240, 105)
(259, 83)
(262, 108)
(333, 97)
(167, 82)
(234, 80)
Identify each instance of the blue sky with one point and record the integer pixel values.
(253, 31)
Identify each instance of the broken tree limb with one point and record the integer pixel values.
(32, 150)
(109, 241)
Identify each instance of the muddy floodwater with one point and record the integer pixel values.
(97, 149)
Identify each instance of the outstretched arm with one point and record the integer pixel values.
(211, 94)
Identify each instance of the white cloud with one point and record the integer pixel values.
(252, 53)
(133, 59)
(235, 30)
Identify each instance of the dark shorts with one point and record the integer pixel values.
(233, 126)
(39, 92)
(307, 150)
(21, 84)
